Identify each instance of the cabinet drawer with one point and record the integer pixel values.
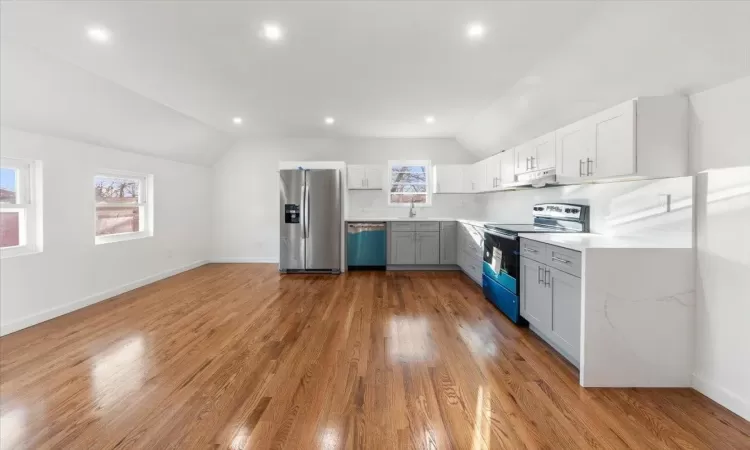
(403, 226)
(427, 226)
(534, 250)
(566, 260)
(448, 225)
(473, 268)
(472, 246)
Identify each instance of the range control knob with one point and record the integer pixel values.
(567, 210)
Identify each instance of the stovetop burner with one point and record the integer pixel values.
(550, 218)
(529, 228)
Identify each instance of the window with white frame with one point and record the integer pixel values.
(18, 207)
(122, 206)
(409, 183)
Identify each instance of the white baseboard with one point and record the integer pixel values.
(246, 259)
(48, 314)
(722, 396)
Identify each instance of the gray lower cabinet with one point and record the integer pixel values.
(551, 302)
(448, 243)
(423, 243)
(565, 290)
(403, 247)
(428, 247)
(470, 250)
(536, 299)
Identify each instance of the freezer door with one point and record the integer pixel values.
(323, 227)
(292, 194)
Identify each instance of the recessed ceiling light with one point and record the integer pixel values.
(475, 30)
(237, 120)
(99, 34)
(429, 119)
(272, 31)
(330, 120)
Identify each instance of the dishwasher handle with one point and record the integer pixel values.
(354, 228)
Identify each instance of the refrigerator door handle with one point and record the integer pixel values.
(306, 200)
(303, 211)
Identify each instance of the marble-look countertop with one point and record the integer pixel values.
(583, 241)
(478, 223)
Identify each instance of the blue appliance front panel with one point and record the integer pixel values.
(366, 248)
(505, 300)
(503, 278)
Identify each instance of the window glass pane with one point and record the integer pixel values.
(408, 198)
(116, 191)
(117, 219)
(408, 174)
(8, 185)
(409, 188)
(10, 224)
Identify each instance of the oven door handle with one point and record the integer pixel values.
(511, 237)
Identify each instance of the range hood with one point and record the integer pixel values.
(538, 179)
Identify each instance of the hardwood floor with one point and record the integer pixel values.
(238, 356)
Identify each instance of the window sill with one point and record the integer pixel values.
(112, 238)
(12, 252)
(407, 205)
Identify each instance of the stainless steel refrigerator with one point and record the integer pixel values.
(310, 221)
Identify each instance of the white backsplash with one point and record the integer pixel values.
(624, 208)
(374, 204)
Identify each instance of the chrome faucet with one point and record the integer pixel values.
(412, 210)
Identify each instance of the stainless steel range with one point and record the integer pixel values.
(502, 256)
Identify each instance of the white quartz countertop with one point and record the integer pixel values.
(415, 219)
(583, 241)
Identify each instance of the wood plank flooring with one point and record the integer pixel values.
(239, 356)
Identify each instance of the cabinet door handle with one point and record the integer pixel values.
(539, 276)
(589, 172)
(547, 276)
(580, 168)
(529, 249)
(533, 160)
(564, 261)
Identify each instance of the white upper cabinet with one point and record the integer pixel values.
(545, 151)
(525, 156)
(364, 177)
(507, 167)
(536, 154)
(638, 139)
(613, 151)
(572, 146)
(493, 172)
(476, 181)
(449, 178)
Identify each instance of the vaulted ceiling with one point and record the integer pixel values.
(174, 74)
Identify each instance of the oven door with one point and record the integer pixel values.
(501, 260)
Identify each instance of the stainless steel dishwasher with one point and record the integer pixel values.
(366, 245)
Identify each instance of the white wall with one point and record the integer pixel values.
(720, 138)
(71, 272)
(247, 193)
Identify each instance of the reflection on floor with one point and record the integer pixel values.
(238, 356)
